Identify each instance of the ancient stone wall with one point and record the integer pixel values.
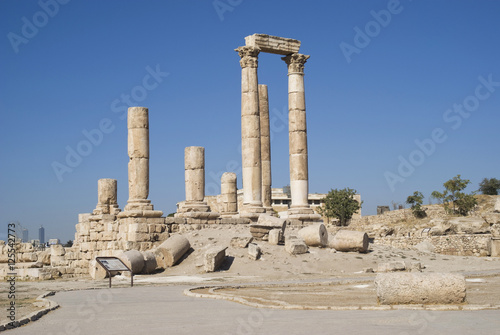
(458, 245)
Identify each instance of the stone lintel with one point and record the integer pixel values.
(273, 44)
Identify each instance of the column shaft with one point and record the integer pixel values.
(297, 128)
(250, 130)
(194, 171)
(138, 152)
(265, 147)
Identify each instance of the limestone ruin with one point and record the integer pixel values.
(141, 235)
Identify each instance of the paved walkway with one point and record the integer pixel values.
(165, 310)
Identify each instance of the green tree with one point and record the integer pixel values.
(462, 203)
(489, 186)
(416, 200)
(68, 244)
(340, 204)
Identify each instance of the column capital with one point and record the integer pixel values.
(295, 62)
(248, 56)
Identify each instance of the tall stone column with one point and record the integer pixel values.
(265, 148)
(138, 166)
(299, 180)
(250, 133)
(106, 197)
(228, 195)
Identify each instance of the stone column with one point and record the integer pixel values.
(228, 194)
(250, 133)
(265, 148)
(106, 197)
(194, 177)
(138, 166)
(297, 128)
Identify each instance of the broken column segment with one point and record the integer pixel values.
(138, 167)
(194, 177)
(106, 197)
(228, 195)
(297, 128)
(250, 133)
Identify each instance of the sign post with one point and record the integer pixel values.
(114, 264)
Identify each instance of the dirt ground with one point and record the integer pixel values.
(276, 266)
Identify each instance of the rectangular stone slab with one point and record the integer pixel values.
(273, 44)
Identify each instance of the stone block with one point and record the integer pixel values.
(295, 246)
(494, 247)
(254, 251)
(240, 242)
(275, 236)
(214, 258)
(273, 44)
(139, 237)
(57, 250)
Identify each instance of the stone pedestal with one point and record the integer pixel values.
(250, 134)
(106, 197)
(228, 195)
(297, 128)
(194, 177)
(138, 204)
(265, 148)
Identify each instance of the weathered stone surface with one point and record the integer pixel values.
(194, 162)
(295, 246)
(250, 131)
(240, 242)
(57, 250)
(254, 251)
(171, 251)
(425, 246)
(265, 148)
(314, 235)
(265, 223)
(96, 271)
(229, 195)
(44, 256)
(494, 247)
(270, 222)
(350, 240)
(391, 266)
(106, 197)
(133, 259)
(496, 209)
(273, 44)
(420, 288)
(149, 262)
(214, 258)
(275, 236)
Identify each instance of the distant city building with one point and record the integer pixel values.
(25, 235)
(281, 200)
(41, 235)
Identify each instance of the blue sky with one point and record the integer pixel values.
(72, 67)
